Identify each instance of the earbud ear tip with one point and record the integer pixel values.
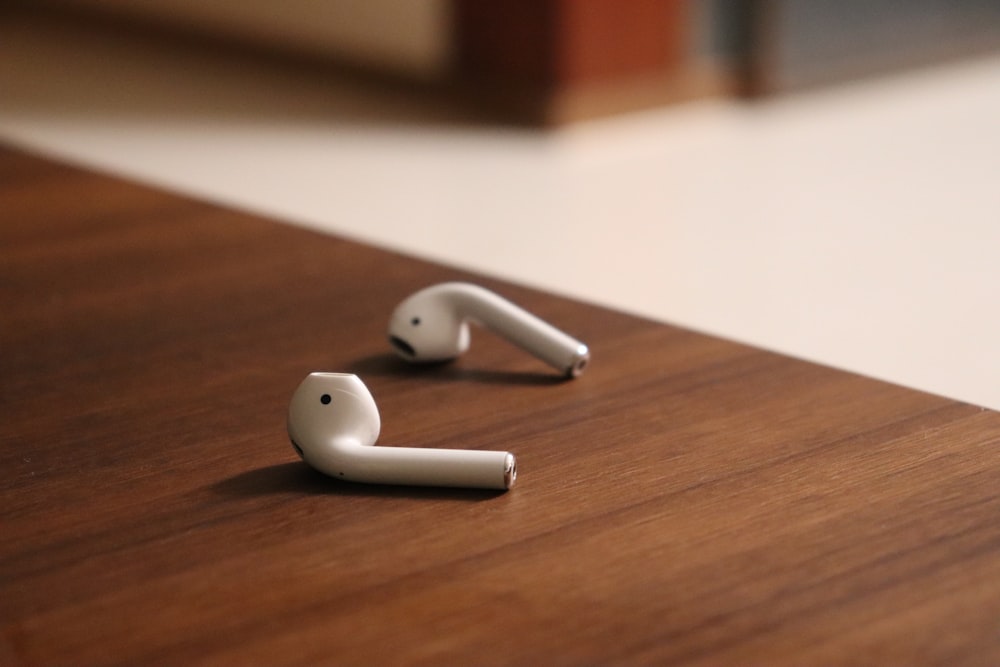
(438, 338)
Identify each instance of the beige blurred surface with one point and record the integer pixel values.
(858, 226)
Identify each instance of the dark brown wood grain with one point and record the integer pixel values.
(687, 500)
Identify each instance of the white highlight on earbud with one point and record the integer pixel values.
(432, 325)
(333, 424)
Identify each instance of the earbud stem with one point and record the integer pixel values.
(523, 329)
(467, 468)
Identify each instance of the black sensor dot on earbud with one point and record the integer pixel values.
(325, 399)
(415, 321)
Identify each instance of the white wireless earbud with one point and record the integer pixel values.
(432, 325)
(333, 424)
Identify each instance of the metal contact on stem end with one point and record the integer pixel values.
(509, 470)
(579, 362)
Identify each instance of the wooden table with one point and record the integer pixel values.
(687, 500)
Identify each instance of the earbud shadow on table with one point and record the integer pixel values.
(297, 477)
(448, 371)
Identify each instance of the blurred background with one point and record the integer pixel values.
(815, 177)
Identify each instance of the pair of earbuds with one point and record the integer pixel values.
(333, 421)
